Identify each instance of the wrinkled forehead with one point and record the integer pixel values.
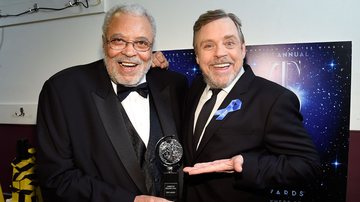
(130, 26)
(220, 29)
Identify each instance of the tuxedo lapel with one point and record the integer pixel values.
(237, 92)
(108, 109)
(162, 102)
(198, 88)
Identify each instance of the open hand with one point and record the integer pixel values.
(219, 166)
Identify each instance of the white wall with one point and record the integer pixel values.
(30, 53)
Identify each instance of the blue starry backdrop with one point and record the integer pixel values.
(320, 75)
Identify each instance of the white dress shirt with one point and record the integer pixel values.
(138, 110)
(206, 95)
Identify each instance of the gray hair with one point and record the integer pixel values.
(134, 9)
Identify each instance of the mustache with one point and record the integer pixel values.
(127, 59)
(220, 61)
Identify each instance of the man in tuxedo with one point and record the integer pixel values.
(98, 124)
(252, 138)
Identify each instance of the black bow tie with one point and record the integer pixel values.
(124, 91)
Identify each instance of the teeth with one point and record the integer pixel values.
(222, 65)
(128, 64)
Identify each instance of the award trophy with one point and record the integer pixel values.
(169, 151)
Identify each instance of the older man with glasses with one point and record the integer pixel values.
(98, 124)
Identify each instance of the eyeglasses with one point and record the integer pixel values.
(120, 44)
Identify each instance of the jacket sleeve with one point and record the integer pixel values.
(289, 157)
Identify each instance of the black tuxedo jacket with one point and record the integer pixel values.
(267, 131)
(84, 152)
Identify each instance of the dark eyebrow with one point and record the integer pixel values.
(206, 41)
(230, 37)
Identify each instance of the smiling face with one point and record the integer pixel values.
(219, 52)
(127, 66)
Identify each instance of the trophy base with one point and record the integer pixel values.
(170, 186)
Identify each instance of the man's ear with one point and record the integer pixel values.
(197, 59)
(104, 42)
(243, 50)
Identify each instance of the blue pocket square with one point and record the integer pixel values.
(233, 106)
